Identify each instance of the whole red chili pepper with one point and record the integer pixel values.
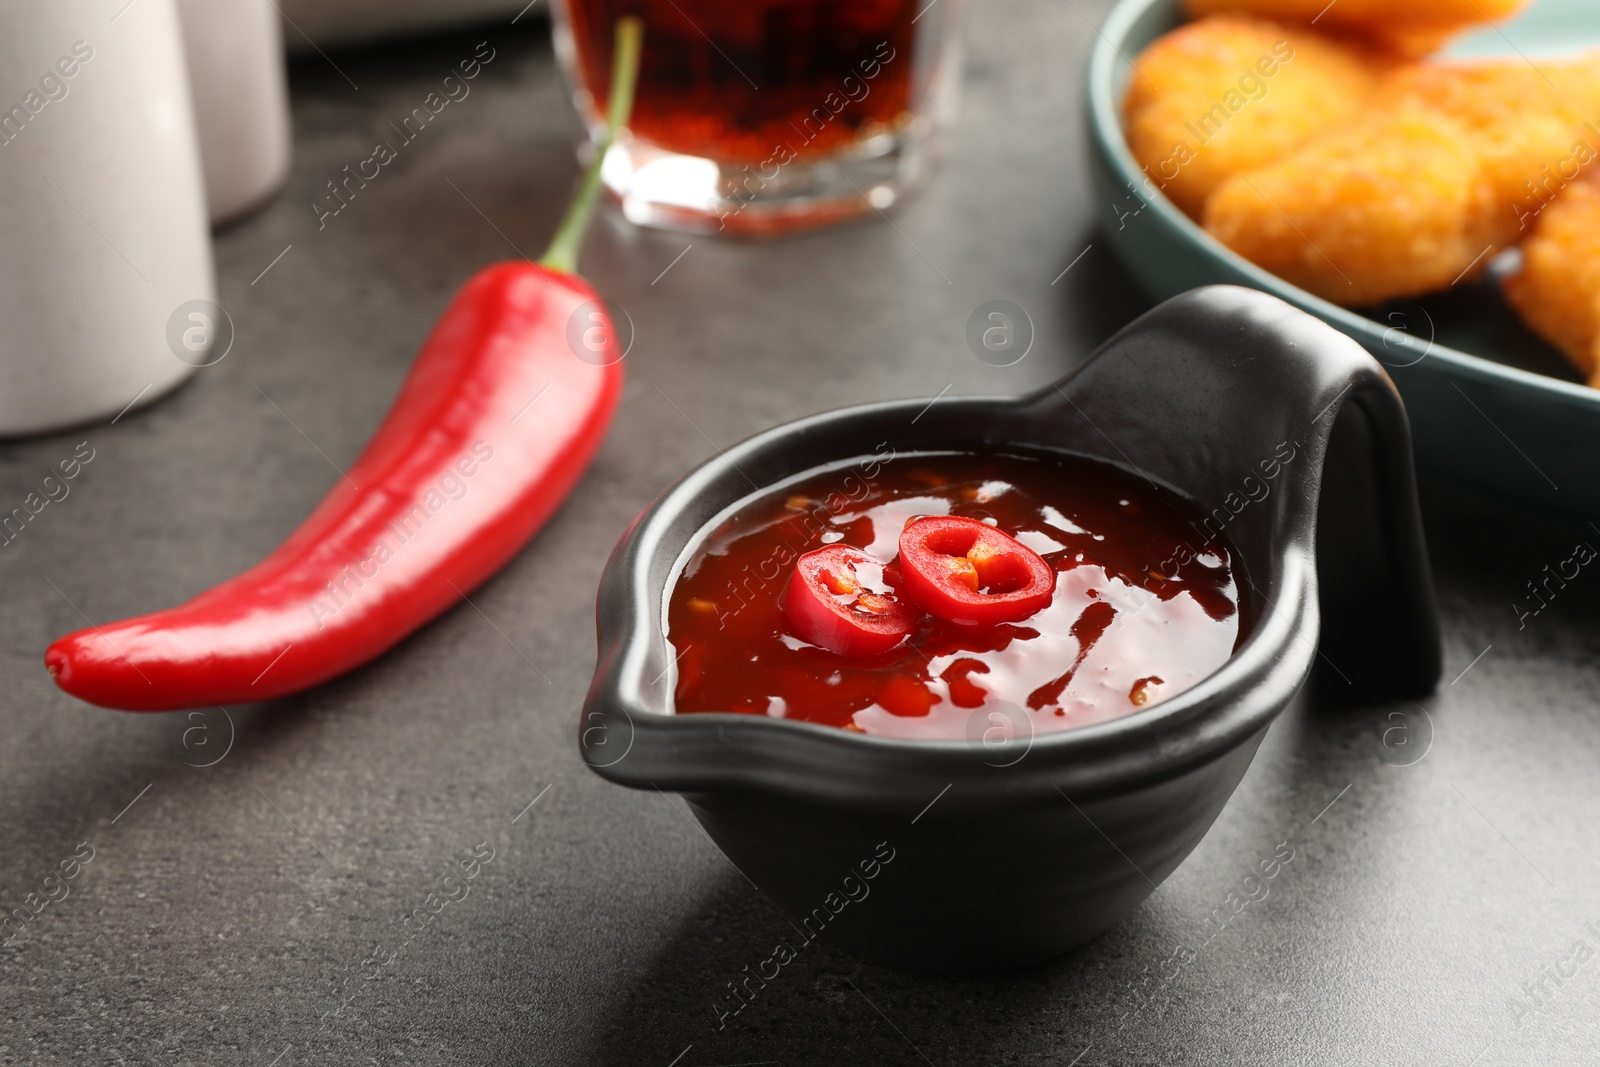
(493, 426)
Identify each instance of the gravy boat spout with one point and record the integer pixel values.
(1286, 434)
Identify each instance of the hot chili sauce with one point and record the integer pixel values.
(1144, 604)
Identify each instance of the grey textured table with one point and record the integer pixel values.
(1435, 911)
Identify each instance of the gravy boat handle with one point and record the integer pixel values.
(1293, 439)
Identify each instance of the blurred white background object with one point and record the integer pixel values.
(241, 101)
(339, 22)
(104, 223)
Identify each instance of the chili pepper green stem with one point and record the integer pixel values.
(562, 254)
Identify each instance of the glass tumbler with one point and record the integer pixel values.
(768, 116)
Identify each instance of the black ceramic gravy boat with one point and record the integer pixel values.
(1007, 855)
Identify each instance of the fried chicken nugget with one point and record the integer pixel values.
(1378, 209)
(1227, 94)
(1529, 125)
(1556, 292)
(1413, 28)
(1423, 189)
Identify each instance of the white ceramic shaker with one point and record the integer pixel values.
(104, 247)
(241, 101)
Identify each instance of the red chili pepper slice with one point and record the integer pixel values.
(836, 601)
(968, 572)
(453, 484)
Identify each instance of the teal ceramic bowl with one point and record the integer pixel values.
(1489, 403)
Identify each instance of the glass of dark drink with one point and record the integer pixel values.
(766, 116)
